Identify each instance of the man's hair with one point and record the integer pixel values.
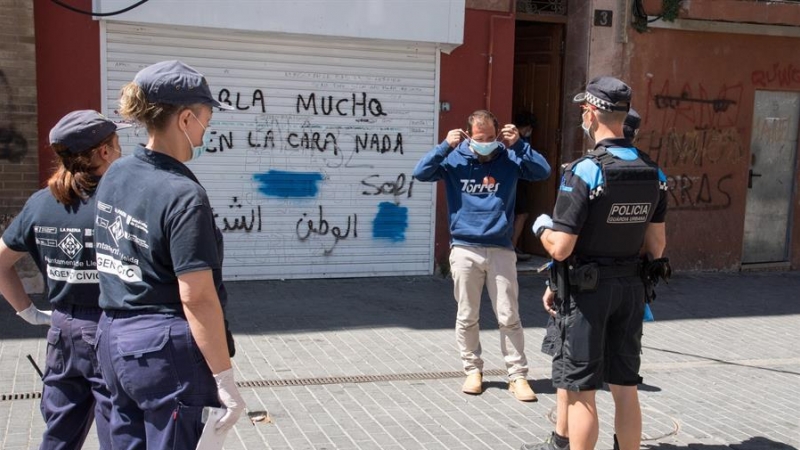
(525, 119)
(611, 118)
(481, 116)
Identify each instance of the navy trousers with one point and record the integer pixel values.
(74, 391)
(158, 378)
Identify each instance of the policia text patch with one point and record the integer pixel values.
(629, 212)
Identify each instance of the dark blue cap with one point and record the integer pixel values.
(175, 83)
(632, 123)
(606, 93)
(83, 130)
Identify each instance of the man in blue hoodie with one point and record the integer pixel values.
(480, 176)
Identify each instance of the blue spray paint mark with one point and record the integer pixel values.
(390, 222)
(277, 183)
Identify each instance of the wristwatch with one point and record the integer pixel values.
(540, 232)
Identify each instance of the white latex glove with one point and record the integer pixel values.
(230, 398)
(543, 221)
(34, 316)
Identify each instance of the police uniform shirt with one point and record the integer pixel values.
(154, 222)
(60, 240)
(584, 182)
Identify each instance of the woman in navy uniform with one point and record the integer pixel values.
(55, 228)
(162, 344)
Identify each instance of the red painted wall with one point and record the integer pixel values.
(468, 81)
(67, 68)
(704, 152)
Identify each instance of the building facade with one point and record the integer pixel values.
(336, 101)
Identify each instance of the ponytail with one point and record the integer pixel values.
(74, 179)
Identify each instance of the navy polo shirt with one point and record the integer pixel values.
(59, 239)
(154, 222)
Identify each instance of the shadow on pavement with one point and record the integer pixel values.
(754, 443)
(721, 361)
(426, 302)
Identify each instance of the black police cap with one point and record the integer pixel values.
(606, 93)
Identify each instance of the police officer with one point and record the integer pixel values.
(610, 209)
(55, 228)
(163, 347)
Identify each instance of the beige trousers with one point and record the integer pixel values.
(496, 267)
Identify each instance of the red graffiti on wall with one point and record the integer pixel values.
(783, 75)
(693, 148)
(694, 134)
(692, 106)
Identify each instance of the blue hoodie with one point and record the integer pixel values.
(480, 196)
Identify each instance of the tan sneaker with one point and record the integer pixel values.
(473, 384)
(522, 390)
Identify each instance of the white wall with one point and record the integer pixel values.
(439, 21)
(310, 176)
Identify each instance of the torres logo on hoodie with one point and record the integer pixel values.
(488, 186)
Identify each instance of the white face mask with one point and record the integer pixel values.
(587, 129)
(197, 151)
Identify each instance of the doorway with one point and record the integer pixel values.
(538, 62)
(773, 153)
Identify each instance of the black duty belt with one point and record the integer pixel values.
(630, 270)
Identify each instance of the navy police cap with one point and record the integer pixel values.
(631, 125)
(83, 130)
(175, 83)
(633, 120)
(606, 93)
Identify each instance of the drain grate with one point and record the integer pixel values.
(309, 381)
(20, 396)
(360, 379)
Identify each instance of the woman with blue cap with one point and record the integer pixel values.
(163, 346)
(55, 228)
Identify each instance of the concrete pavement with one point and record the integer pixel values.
(371, 363)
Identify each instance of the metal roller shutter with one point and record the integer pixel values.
(311, 176)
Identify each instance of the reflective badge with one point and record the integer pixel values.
(116, 230)
(629, 212)
(70, 246)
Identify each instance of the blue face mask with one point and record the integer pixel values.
(197, 151)
(483, 148)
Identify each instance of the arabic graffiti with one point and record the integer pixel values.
(322, 228)
(241, 225)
